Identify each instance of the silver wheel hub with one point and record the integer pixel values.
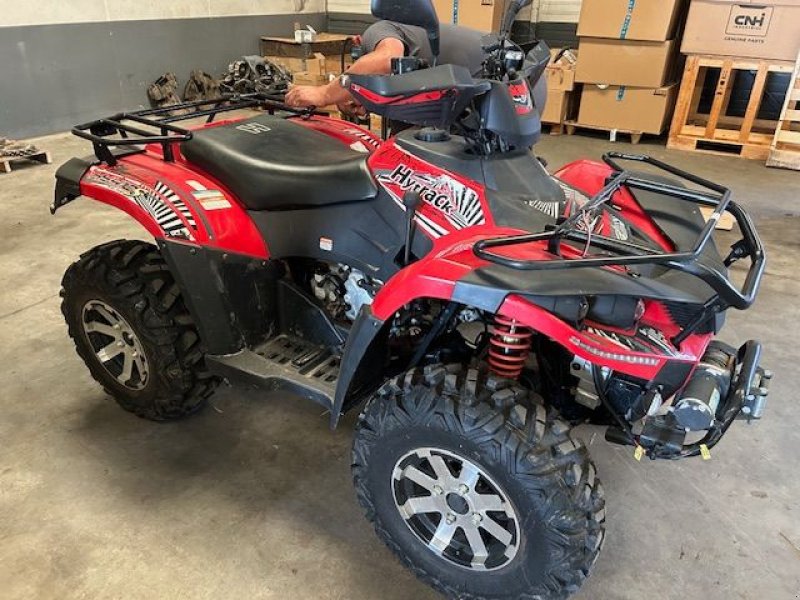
(455, 509)
(115, 344)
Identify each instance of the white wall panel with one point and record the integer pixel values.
(349, 6)
(46, 12)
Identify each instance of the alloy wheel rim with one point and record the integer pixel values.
(455, 509)
(115, 344)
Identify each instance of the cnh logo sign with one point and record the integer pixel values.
(749, 20)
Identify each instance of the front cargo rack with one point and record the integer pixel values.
(625, 253)
(129, 126)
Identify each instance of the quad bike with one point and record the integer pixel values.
(474, 305)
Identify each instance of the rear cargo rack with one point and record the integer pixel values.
(128, 126)
(627, 253)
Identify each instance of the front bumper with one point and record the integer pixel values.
(746, 399)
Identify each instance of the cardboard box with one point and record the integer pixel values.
(560, 75)
(316, 65)
(305, 78)
(644, 110)
(768, 30)
(330, 44)
(643, 20)
(624, 62)
(483, 15)
(560, 79)
(558, 106)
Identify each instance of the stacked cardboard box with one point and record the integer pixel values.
(310, 62)
(329, 44)
(560, 77)
(315, 70)
(741, 50)
(628, 63)
(483, 15)
(763, 29)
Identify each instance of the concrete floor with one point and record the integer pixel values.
(252, 498)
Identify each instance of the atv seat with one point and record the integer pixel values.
(271, 163)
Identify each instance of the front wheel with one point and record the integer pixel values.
(478, 489)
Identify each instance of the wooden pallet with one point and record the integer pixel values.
(573, 126)
(6, 162)
(553, 128)
(784, 151)
(716, 132)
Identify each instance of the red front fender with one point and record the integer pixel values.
(437, 276)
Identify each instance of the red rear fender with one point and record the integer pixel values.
(172, 201)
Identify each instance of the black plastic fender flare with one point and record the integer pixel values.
(365, 329)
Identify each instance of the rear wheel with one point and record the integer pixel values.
(477, 487)
(130, 326)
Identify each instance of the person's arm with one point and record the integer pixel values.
(377, 62)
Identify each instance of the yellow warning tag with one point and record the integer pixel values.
(705, 452)
(638, 453)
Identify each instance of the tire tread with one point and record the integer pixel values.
(532, 443)
(136, 275)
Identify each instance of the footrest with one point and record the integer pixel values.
(284, 363)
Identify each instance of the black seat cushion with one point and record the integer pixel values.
(271, 163)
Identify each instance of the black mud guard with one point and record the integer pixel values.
(364, 331)
(68, 181)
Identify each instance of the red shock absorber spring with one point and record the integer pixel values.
(509, 346)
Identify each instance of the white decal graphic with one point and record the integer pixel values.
(359, 147)
(551, 209)
(254, 128)
(161, 203)
(211, 199)
(363, 136)
(619, 229)
(643, 341)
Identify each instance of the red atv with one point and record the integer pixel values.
(474, 305)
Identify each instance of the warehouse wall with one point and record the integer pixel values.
(69, 61)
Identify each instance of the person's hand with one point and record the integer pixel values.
(352, 108)
(306, 95)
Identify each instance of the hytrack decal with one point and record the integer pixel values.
(161, 202)
(458, 203)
